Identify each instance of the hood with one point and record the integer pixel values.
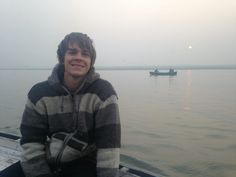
(57, 76)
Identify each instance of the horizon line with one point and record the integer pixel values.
(134, 67)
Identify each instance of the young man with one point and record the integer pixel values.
(71, 125)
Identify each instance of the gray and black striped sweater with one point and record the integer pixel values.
(83, 124)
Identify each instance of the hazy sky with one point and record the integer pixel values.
(125, 32)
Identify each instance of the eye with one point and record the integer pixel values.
(86, 53)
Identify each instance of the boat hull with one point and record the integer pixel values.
(163, 73)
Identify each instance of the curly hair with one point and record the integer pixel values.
(84, 42)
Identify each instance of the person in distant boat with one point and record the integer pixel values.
(71, 124)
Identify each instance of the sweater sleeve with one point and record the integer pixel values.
(108, 138)
(34, 130)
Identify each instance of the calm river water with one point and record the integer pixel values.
(177, 126)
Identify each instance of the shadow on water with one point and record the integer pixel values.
(141, 165)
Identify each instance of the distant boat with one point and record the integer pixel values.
(156, 72)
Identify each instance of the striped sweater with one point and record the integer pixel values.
(83, 124)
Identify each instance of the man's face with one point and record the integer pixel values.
(77, 61)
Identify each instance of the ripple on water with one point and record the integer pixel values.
(216, 136)
(231, 147)
(151, 135)
(206, 169)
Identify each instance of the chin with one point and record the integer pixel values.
(78, 74)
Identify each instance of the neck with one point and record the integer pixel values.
(72, 83)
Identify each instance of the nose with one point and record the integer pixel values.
(78, 55)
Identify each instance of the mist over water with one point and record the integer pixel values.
(178, 126)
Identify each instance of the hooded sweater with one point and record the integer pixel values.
(59, 126)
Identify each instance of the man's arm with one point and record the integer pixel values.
(108, 138)
(34, 130)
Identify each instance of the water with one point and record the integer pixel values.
(178, 126)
